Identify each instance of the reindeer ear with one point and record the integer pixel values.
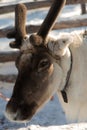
(60, 46)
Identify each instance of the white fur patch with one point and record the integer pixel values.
(59, 46)
(26, 45)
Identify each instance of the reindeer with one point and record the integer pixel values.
(47, 66)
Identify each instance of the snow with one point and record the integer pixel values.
(52, 116)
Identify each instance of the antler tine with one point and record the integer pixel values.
(51, 17)
(48, 22)
(20, 30)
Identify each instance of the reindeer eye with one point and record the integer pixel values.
(44, 64)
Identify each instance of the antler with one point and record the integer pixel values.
(48, 23)
(20, 30)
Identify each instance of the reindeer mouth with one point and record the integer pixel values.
(22, 113)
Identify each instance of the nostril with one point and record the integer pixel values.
(12, 106)
(11, 114)
(15, 118)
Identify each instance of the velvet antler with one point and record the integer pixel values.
(19, 32)
(48, 23)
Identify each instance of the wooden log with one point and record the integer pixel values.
(35, 5)
(8, 56)
(11, 78)
(71, 24)
(60, 25)
(75, 1)
(29, 5)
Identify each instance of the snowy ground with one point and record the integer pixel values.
(52, 115)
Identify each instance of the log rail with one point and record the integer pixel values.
(35, 5)
(60, 25)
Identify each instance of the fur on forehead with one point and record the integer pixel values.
(25, 57)
(26, 45)
(21, 60)
(27, 49)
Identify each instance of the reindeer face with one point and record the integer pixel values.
(38, 74)
(33, 85)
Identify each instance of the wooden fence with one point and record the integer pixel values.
(36, 5)
(11, 56)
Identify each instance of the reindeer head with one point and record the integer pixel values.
(38, 75)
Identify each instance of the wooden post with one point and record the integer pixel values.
(83, 8)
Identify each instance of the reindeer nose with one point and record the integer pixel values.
(11, 115)
(11, 110)
(16, 111)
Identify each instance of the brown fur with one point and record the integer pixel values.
(32, 82)
(33, 87)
